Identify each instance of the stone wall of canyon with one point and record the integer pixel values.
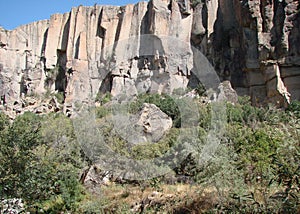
(150, 47)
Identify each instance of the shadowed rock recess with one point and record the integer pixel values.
(98, 49)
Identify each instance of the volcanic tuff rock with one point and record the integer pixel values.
(150, 125)
(254, 44)
(147, 47)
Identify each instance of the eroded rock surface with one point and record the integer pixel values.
(149, 125)
(253, 44)
(153, 122)
(98, 49)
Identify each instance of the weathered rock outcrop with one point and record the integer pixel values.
(147, 47)
(254, 44)
(150, 125)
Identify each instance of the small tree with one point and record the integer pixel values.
(16, 152)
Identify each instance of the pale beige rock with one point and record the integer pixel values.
(151, 124)
(102, 48)
(212, 8)
(53, 38)
(276, 89)
(20, 58)
(227, 93)
(78, 89)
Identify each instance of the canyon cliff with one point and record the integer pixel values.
(151, 47)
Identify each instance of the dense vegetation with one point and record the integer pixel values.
(40, 162)
(255, 168)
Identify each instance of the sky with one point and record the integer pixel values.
(18, 12)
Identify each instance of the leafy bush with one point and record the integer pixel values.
(40, 161)
(205, 116)
(165, 103)
(103, 98)
(4, 121)
(256, 153)
(246, 114)
(149, 150)
(254, 169)
(16, 152)
(294, 108)
(60, 96)
(200, 89)
(102, 111)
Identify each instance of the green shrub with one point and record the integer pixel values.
(268, 158)
(247, 114)
(165, 103)
(205, 116)
(148, 150)
(254, 169)
(16, 153)
(60, 96)
(101, 111)
(40, 162)
(4, 121)
(200, 89)
(103, 98)
(255, 149)
(294, 108)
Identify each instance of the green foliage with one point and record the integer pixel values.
(294, 108)
(149, 150)
(40, 162)
(256, 149)
(4, 121)
(200, 89)
(24, 132)
(139, 151)
(205, 116)
(101, 111)
(16, 151)
(60, 96)
(287, 169)
(103, 98)
(246, 114)
(104, 205)
(60, 159)
(254, 169)
(165, 103)
(265, 141)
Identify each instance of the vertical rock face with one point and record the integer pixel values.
(97, 49)
(253, 44)
(21, 50)
(147, 47)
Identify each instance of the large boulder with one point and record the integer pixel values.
(227, 92)
(154, 123)
(149, 125)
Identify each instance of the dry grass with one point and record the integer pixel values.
(179, 198)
